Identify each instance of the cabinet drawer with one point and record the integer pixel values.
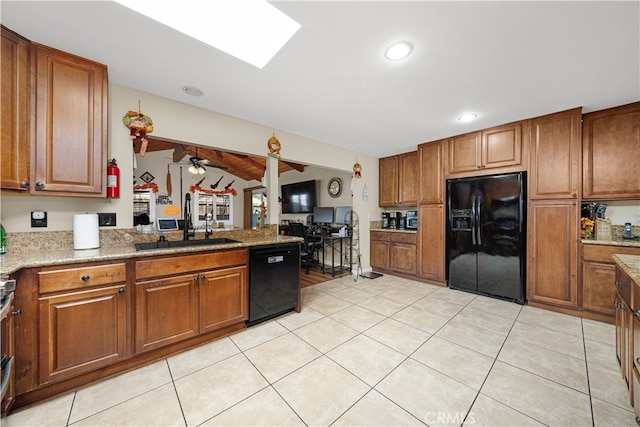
(604, 253)
(81, 277)
(167, 266)
(404, 238)
(380, 235)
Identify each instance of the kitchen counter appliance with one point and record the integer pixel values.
(411, 220)
(274, 279)
(486, 235)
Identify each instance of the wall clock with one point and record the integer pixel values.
(335, 187)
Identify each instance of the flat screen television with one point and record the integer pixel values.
(298, 197)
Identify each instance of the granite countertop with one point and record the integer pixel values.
(615, 242)
(630, 264)
(13, 261)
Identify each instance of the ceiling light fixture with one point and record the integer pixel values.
(398, 51)
(251, 30)
(467, 117)
(196, 170)
(192, 90)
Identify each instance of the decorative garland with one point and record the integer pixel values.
(153, 186)
(195, 188)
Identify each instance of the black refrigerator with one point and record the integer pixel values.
(486, 235)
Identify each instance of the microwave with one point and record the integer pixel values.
(411, 222)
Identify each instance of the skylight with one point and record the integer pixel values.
(250, 30)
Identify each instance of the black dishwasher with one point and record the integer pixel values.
(274, 278)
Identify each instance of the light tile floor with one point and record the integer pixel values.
(382, 352)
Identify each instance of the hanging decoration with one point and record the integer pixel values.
(274, 147)
(227, 189)
(139, 126)
(152, 186)
(357, 169)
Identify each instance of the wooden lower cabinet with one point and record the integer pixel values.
(223, 298)
(173, 307)
(81, 330)
(627, 327)
(166, 311)
(598, 277)
(394, 252)
(552, 261)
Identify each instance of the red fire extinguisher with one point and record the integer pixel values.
(113, 179)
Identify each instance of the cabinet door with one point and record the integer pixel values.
(501, 146)
(81, 331)
(598, 290)
(222, 298)
(552, 241)
(380, 254)
(166, 311)
(403, 258)
(14, 166)
(464, 153)
(71, 124)
(408, 179)
(611, 149)
(554, 170)
(388, 181)
(431, 173)
(431, 242)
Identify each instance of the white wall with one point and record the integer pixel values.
(181, 122)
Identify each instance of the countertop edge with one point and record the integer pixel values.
(630, 264)
(635, 243)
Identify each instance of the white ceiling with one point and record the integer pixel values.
(503, 60)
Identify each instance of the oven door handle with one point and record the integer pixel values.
(6, 304)
(6, 371)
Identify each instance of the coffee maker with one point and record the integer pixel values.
(385, 219)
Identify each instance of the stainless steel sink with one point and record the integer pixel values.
(182, 243)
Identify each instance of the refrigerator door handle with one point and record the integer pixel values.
(473, 221)
(478, 221)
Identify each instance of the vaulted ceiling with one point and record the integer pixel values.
(237, 164)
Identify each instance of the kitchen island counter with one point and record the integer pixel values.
(19, 258)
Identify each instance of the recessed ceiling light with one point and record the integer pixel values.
(192, 90)
(398, 51)
(251, 30)
(467, 117)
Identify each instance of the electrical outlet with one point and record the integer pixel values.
(38, 219)
(107, 219)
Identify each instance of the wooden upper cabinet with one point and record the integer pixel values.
(388, 181)
(398, 180)
(499, 147)
(554, 170)
(610, 150)
(408, 179)
(70, 109)
(430, 165)
(14, 161)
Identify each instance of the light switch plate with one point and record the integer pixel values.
(38, 219)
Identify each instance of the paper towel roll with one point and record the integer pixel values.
(85, 231)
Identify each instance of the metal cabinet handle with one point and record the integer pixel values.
(196, 278)
(85, 278)
(24, 184)
(16, 312)
(121, 291)
(203, 277)
(39, 185)
(619, 283)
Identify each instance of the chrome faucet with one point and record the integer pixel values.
(187, 217)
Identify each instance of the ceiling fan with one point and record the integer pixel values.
(198, 163)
